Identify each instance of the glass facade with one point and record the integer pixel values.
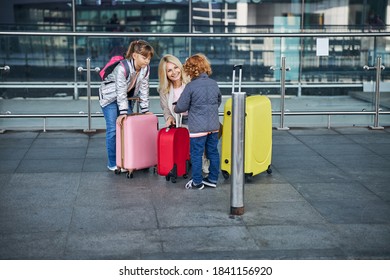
(325, 45)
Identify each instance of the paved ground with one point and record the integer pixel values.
(327, 198)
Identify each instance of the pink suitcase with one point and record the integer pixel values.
(136, 143)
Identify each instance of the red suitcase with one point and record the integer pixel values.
(173, 153)
(136, 142)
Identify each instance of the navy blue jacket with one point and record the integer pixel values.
(201, 98)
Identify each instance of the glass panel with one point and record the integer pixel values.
(41, 80)
(38, 58)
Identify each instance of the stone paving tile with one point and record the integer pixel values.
(40, 190)
(356, 211)
(129, 244)
(294, 237)
(34, 219)
(46, 245)
(281, 213)
(50, 165)
(207, 239)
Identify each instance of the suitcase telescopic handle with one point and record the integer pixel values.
(235, 67)
(136, 99)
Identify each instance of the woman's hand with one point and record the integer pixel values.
(170, 121)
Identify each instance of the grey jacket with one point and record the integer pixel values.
(115, 86)
(201, 98)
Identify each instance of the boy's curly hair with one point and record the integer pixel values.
(196, 65)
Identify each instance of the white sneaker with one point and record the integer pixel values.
(113, 168)
(208, 183)
(190, 185)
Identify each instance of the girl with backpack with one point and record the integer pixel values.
(123, 82)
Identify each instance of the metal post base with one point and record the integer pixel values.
(376, 127)
(89, 130)
(237, 211)
(283, 128)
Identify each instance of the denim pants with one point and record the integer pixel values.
(208, 143)
(111, 113)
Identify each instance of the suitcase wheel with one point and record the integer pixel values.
(248, 177)
(117, 171)
(269, 170)
(167, 178)
(225, 174)
(129, 175)
(185, 176)
(173, 179)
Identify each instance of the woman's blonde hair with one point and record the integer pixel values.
(164, 82)
(141, 47)
(196, 65)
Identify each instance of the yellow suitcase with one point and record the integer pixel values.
(258, 136)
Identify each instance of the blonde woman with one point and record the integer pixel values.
(172, 81)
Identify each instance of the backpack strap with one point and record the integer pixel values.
(125, 64)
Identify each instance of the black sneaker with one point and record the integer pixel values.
(190, 185)
(208, 183)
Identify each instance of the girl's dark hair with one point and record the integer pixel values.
(141, 47)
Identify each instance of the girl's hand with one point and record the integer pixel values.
(119, 119)
(148, 113)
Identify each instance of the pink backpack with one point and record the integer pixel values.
(110, 66)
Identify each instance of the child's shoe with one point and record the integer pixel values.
(113, 168)
(191, 185)
(208, 183)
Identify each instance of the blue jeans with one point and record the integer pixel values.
(111, 113)
(208, 143)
